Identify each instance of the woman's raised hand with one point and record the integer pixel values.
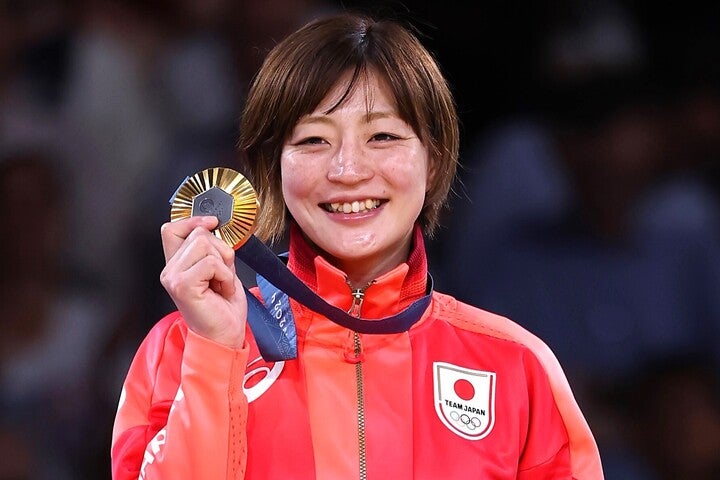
(200, 277)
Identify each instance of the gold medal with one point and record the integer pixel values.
(221, 192)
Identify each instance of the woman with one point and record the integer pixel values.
(351, 136)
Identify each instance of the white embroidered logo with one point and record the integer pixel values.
(261, 377)
(159, 440)
(464, 399)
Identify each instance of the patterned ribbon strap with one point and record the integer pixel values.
(276, 342)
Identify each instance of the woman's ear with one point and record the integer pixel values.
(432, 171)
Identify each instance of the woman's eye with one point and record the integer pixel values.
(383, 137)
(311, 141)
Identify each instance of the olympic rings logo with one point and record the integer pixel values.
(470, 423)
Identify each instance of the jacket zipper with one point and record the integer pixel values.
(355, 309)
(361, 408)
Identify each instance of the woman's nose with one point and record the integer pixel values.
(350, 164)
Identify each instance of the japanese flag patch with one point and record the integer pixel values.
(464, 399)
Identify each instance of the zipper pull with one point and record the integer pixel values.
(358, 295)
(356, 355)
(358, 298)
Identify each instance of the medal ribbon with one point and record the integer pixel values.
(275, 332)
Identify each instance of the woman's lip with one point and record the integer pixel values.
(353, 199)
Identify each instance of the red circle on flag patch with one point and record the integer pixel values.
(464, 389)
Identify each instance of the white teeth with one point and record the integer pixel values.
(354, 207)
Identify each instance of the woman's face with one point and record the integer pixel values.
(354, 180)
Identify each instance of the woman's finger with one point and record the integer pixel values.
(198, 245)
(193, 283)
(173, 234)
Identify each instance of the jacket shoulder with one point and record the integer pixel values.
(471, 318)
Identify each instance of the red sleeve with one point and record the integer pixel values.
(182, 411)
(584, 455)
(546, 453)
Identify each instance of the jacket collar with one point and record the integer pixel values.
(389, 294)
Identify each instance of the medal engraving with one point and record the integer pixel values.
(214, 202)
(223, 193)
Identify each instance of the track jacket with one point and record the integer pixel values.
(464, 394)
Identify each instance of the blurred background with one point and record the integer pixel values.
(587, 208)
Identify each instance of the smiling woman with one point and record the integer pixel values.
(350, 135)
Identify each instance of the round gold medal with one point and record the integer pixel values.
(221, 192)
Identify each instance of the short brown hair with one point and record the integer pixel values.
(298, 73)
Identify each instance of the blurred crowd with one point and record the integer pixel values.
(588, 206)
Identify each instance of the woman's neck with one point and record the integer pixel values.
(360, 271)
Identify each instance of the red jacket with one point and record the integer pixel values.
(464, 394)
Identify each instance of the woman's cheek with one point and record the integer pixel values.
(296, 177)
(405, 171)
(410, 158)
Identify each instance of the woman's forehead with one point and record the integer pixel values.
(369, 89)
